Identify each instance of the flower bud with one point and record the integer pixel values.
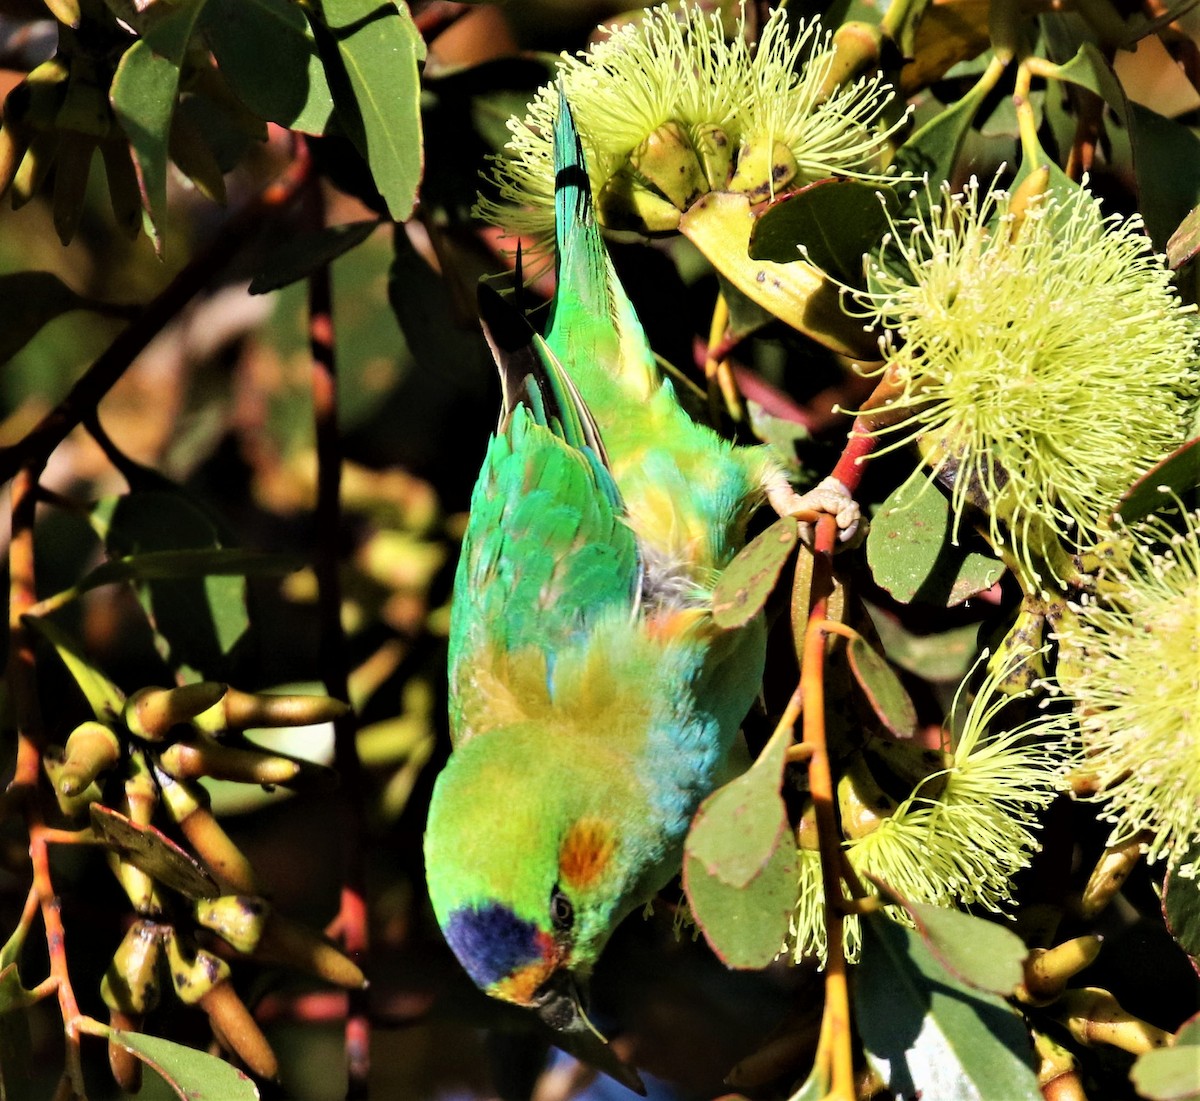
(1094, 1016)
(203, 756)
(202, 979)
(763, 168)
(666, 159)
(1109, 874)
(187, 804)
(236, 919)
(132, 983)
(1048, 970)
(150, 713)
(237, 710)
(862, 803)
(92, 748)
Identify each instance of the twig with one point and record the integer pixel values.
(352, 917)
(835, 1024)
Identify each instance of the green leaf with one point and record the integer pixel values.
(1184, 243)
(190, 564)
(1179, 472)
(13, 995)
(911, 555)
(143, 94)
(882, 687)
(29, 300)
(153, 852)
(927, 1034)
(268, 54)
(105, 698)
(193, 1075)
(746, 926)
(740, 870)
(381, 50)
(738, 828)
(835, 221)
(981, 953)
(934, 149)
(1166, 157)
(1168, 1073)
(944, 656)
(1181, 906)
(16, 1042)
(198, 619)
(744, 585)
(300, 256)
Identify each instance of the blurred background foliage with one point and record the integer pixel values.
(215, 417)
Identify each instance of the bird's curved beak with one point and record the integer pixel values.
(559, 1004)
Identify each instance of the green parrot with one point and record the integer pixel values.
(594, 702)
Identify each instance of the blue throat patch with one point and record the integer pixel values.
(491, 942)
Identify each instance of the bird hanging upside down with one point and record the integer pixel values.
(593, 700)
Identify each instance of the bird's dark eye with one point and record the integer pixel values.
(562, 913)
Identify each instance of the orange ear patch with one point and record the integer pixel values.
(585, 852)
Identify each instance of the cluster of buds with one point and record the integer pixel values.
(148, 764)
(670, 108)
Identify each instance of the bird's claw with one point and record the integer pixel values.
(829, 496)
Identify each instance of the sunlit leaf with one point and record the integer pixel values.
(835, 220)
(911, 555)
(267, 52)
(882, 688)
(193, 1075)
(720, 224)
(381, 50)
(105, 698)
(1179, 472)
(926, 1034)
(744, 585)
(744, 926)
(739, 826)
(143, 94)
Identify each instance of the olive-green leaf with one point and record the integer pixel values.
(1181, 906)
(199, 617)
(300, 256)
(739, 827)
(1184, 243)
(381, 51)
(1179, 472)
(105, 698)
(30, 300)
(743, 587)
(881, 685)
(1168, 1073)
(926, 1034)
(153, 852)
(981, 953)
(744, 926)
(268, 54)
(143, 94)
(911, 553)
(193, 1075)
(835, 221)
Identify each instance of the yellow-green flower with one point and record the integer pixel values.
(1046, 365)
(669, 109)
(1130, 661)
(961, 834)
